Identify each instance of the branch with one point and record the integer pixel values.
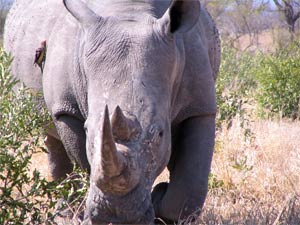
(279, 6)
(288, 4)
(296, 17)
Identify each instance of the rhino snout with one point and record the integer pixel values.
(114, 169)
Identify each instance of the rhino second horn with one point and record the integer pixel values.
(120, 125)
(113, 161)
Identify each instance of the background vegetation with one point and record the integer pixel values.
(26, 197)
(255, 175)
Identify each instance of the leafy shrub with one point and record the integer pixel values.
(235, 84)
(23, 195)
(278, 76)
(26, 197)
(214, 183)
(72, 193)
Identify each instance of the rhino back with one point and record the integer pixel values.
(29, 22)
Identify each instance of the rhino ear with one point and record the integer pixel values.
(181, 16)
(81, 12)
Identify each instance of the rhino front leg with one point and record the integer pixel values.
(189, 169)
(59, 161)
(66, 146)
(73, 136)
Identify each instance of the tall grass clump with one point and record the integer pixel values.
(278, 75)
(25, 196)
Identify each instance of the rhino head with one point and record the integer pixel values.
(131, 66)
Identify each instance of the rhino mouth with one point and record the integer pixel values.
(134, 208)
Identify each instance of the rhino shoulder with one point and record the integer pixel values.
(213, 41)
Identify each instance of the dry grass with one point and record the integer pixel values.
(267, 41)
(260, 178)
(263, 42)
(39, 161)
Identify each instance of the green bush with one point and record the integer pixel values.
(23, 195)
(267, 82)
(278, 76)
(26, 197)
(235, 84)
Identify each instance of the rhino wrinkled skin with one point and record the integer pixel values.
(130, 87)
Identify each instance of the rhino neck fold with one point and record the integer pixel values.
(79, 81)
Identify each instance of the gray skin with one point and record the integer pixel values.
(153, 64)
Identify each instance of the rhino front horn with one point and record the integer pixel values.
(113, 161)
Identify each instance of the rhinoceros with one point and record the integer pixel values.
(130, 86)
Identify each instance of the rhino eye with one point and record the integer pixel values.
(161, 134)
(156, 132)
